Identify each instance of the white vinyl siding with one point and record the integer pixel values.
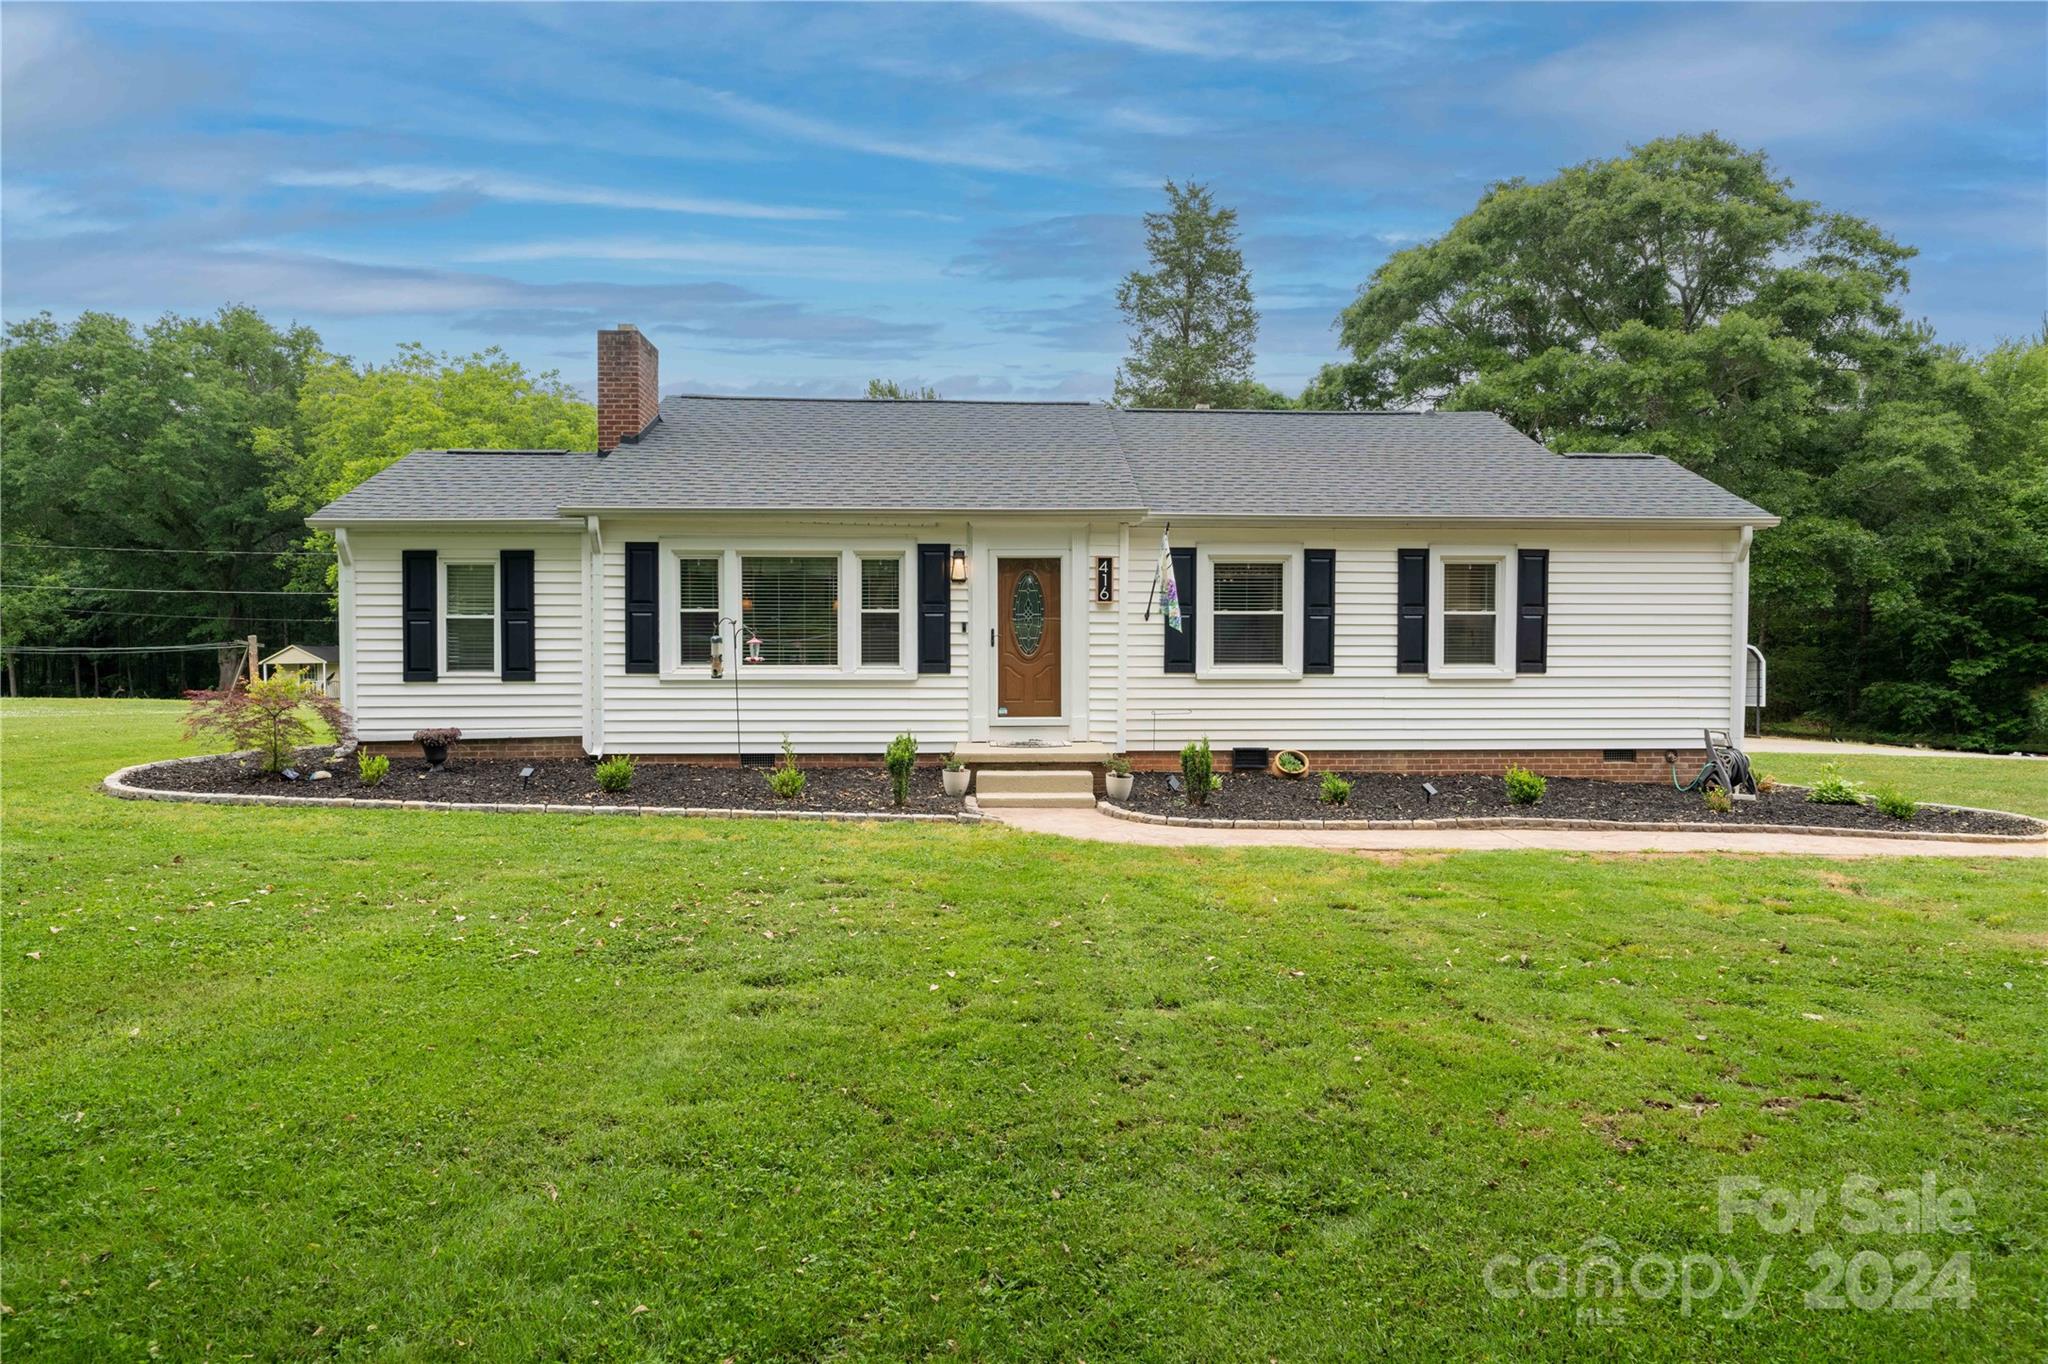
(480, 703)
(1640, 627)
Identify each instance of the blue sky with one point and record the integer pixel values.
(792, 198)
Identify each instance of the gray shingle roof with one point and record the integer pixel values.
(798, 454)
(1463, 465)
(745, 454)
(464, 485)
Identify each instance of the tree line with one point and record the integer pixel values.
(1679, 299)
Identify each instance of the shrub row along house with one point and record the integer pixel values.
(1405, 591)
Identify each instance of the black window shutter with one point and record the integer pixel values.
(1319, 611)
(1532, 621)
(1411, 631)
(934, 609)
(515, 615)
(417, 598)
(1180, 644)
(643, 607)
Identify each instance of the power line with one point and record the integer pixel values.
(214, 616)
(123, 648)
(171, 591)
(140, 549)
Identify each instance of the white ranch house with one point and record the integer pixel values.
(1406, 591)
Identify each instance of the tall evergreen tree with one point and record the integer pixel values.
(1191, 315)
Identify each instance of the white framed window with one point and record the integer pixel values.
(1248, 613)
(469, 616)
(1471, 627)
(881, 612)
(696, 579)
(791, 603)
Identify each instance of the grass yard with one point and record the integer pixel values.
(1989, 783)
(314, 1084)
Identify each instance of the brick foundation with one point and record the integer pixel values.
(1648, 764)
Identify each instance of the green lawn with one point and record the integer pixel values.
(310, 1084)
(1992, 783)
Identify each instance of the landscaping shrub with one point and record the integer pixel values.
(615, 774)
(1890, 800)
(1719, 801)
(1833, 788)
(1198, 772)
(1524, 787)
(788, 780)
(1335, 790)
(272, 715)
(901, 760)
(372, 768)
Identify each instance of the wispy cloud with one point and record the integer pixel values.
(519, 189)
(795, 260)
(988, 147)
(1075, 246)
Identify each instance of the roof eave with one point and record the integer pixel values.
(321, 521)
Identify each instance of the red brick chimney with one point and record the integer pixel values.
(628, 385)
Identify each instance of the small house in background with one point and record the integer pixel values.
(321, 662)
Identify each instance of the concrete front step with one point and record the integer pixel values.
(1041, 787)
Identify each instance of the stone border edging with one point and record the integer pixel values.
(1633, 826)
(117, 785)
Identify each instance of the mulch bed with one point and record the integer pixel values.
(1378, 795)
(492, 781)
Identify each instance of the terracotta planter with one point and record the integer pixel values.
(956, 780)
(1277, 770)
(1119, 787)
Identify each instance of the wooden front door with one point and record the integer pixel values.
(1027, 637)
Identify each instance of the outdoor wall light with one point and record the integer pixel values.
(959, 565)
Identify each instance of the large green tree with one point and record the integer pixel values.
(138, 480)
(1682, 300)
(1192, 321)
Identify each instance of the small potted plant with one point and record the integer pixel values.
(435, 743)
(1119, 781)
(956, 775)
(1290, 762)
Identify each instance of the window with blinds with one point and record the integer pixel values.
(791, 603)
(1470, 613)
(1248, 613)
(881, 613)
(697, 601)
(470, 621)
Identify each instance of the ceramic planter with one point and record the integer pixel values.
(1277, 770)
(956, 780)
(1119, 787)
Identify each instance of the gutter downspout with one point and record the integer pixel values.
(1738, 676)
(593, 636)
(345, 608)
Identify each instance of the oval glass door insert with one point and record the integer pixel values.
(1027, 613)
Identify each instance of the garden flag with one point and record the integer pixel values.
(1169, 590)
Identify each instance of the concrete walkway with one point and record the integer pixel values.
(1096, 825)
(1777, 743)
